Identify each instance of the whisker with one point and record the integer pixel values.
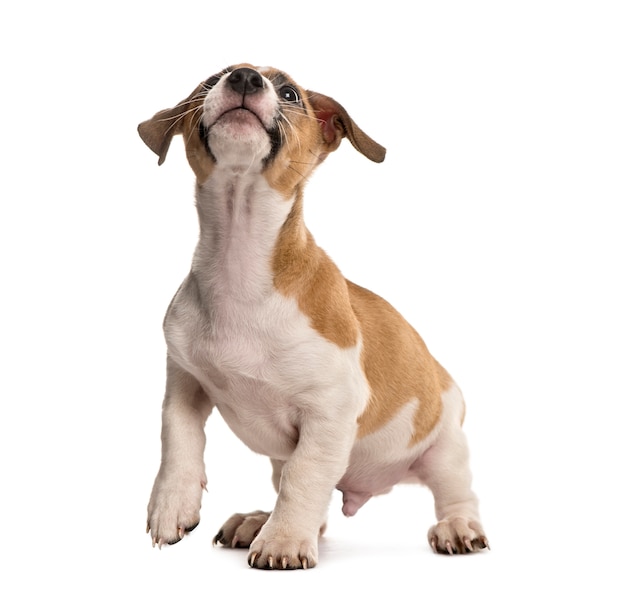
(192, 109)
(186, 103)
(298, 112)
(281, 132)
(198, 111)
(305, 163)
(293, 129)
(296, 171)
(284, 137)
(175, 119)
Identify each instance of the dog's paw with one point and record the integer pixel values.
(276, 552)
(174, 509)
(241, 529)
(457, 535)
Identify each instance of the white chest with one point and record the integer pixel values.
(260, 364)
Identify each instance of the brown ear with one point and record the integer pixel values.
(337, 124)
(157, 132)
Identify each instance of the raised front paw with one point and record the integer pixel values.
(457, 535)
(241, 529)
(174, 509)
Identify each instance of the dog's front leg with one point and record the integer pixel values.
(174, 507)
(289, 538)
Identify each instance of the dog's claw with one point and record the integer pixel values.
(449, 548)
(234, 542)
(284, 562)
(485, 542)
(468, 544)
(305, 563)
(270, 562)
(252, 559)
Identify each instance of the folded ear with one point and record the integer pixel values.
(337, 124)
(157, 132)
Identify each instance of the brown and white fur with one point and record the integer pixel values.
(322, 376)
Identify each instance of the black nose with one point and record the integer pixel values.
(245, 81)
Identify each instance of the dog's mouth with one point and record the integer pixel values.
(241, 115)
(241, 121)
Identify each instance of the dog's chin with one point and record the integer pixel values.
(239, 137)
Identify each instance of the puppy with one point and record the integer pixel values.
(323, 376)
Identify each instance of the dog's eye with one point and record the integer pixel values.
(289, 93)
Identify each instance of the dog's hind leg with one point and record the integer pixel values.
(444, 468)
(174, 506)
(241, 528)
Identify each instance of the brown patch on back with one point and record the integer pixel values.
(398, 367)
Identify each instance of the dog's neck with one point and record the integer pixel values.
(244, 223)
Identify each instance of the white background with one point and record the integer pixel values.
(496, 226)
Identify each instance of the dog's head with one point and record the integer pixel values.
(256, 118)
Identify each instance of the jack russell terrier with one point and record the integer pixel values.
(323, 376)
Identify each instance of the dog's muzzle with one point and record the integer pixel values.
(246, 82)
